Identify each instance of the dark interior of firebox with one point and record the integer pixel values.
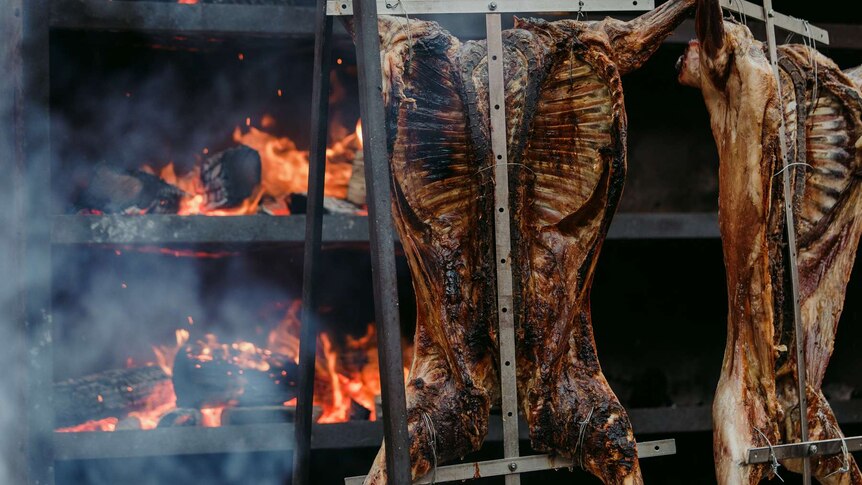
(132, 100)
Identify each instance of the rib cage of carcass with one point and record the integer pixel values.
(566, 133)
(757, 400)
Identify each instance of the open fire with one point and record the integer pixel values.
(203, 382)
(261, 173)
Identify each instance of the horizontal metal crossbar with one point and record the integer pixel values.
(799, 450)
(524, 464)
(786, 22)
(423, 7)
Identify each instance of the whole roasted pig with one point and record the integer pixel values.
(566, 129)
(757, 401)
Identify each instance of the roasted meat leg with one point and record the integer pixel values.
(757, 398)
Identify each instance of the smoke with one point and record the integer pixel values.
(12, 357)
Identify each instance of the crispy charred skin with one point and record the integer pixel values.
(566, 142)
(568, 171)
(441, 216)
(758, 385)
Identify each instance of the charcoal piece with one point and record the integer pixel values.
(230, 177)
(359, 412)
(110, 393)
(297, 202)
(181, 417)
(113, 190)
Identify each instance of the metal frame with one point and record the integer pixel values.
(774, 19)
(511, 468)
(503, 251)
(337, 228)
(427, 7)
(804, 450)
(313, 234)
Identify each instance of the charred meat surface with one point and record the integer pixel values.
(757, 398)
(566, 129)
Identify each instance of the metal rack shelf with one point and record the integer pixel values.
(355, 434)
(268, 20)
(168, 229)
(261, 20)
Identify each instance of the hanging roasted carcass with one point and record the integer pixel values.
(566, 129)
(756, 402)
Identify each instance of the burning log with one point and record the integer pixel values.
(106, 394)
(115, 191)
(198, 383)
(230, 177)
(356, 184)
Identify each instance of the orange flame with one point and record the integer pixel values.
(344, 374)
(284, 170)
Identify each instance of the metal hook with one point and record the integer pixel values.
(581, 435)
(399, 3)
(791, 165)
(432, 433)
(812, 58)
(774, 465)
(742, 16)
(845, 454)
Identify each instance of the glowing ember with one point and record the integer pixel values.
(284, 171)
(160, 402)
(107, 424)
(344, 374)
(212, 416)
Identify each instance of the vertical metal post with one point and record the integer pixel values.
(36, 207)
(377, 180)
(313, 230)
(791, 246)
(503, 243)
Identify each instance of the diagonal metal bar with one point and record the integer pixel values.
(377, 180)
(522, 464)
(313, 234)
(804, 449)
(791, 246)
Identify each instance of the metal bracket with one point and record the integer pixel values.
(425, 7)
(804, 450)
(503, 242)
(786, 22)
(523, 464)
